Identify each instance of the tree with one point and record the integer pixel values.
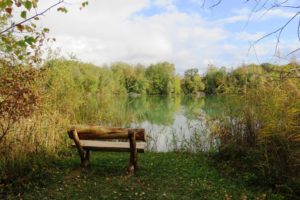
(139, 81)
(18, 96)
(192, 83)
(21, 40)
(161, 78)
(20, 50)
(215, 80)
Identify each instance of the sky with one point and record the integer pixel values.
(183, 32)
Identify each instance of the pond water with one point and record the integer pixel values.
(171, 123)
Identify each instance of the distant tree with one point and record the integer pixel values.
(177, 85)
(140, 81)
(161, 78)
(192, 83)
(215, 80)
(124, 73)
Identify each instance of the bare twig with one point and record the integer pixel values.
(279, 30)
(293, 52)
(266, 6)
(298, 30)
(216, 4)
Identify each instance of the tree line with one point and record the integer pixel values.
(122, 78)
(161, 79)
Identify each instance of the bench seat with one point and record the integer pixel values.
(100, 138)
(110, 146)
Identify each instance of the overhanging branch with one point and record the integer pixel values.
(30, 18)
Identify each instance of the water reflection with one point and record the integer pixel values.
(171, 123)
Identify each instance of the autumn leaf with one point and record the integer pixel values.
(20, 27)
(8, 10)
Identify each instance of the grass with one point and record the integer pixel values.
(161, 176)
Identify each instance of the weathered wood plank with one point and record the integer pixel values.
(110, 146)
(101, 132)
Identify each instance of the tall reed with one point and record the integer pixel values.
(264, 134)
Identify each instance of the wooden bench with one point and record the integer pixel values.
(95, 138)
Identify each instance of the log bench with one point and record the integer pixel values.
(95, 138)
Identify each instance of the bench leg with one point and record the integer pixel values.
(86, 161)
(84, 156)
(133, 166)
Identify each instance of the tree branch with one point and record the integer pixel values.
(216, 4)
(34, 16)
(279, 31)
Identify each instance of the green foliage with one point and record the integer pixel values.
(238, 81)
(20, 48)
(161, 77)
(215, 80)
(192, 83)
(21, 39)
(117, 79)
(132, 78)
(83, 92)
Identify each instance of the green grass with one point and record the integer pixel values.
(160, 176)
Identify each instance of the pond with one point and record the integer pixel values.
(171, 123)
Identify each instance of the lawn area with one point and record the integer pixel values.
(161, 176)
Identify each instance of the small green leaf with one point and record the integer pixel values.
(8, 48)
(22, 43)
(28, 28)
(21, 57)
(23, 14)
(30, 40)
(84, 4)
(46, 30)
(28, 5)
(62, 9)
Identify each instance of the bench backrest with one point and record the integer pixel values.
(106, 133)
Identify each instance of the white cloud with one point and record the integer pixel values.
(167, 4)
(244, 15)
(111, 30)
(251, 37)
